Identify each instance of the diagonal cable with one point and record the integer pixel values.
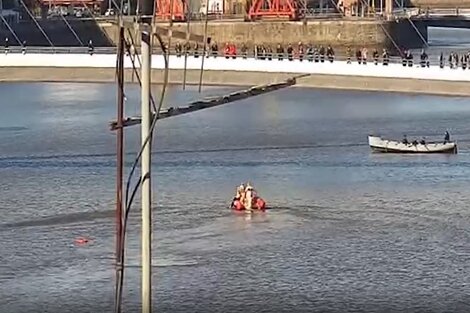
(72, 30)
(37, 24)
(415, 28)
(11, 30)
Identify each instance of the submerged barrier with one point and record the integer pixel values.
(211, 102)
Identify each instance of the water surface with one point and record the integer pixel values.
(349, 231)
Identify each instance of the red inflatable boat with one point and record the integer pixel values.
(258, 204)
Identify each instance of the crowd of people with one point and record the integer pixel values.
(423, 140)
(318, 53)
(261, 52)
(455, 61)
(6, 46)
(301, 52)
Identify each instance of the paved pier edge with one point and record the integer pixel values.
(234, 78)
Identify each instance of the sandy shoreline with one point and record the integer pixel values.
(238, 78)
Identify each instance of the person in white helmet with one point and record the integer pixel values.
(240, 192)
(249, 196)
(239, 195)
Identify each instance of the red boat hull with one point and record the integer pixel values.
(258, 204)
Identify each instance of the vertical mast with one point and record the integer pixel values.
(188, 36)
(119, 156)
(205, 45)
(146, 186)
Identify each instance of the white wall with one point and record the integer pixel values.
(220, 63)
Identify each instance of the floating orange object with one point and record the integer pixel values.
(81, 240)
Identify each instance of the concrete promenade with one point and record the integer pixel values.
(241, 72)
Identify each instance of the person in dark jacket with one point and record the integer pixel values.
(405, 140)
(424, 59)
(7, 45)
(385, 57)
(310, 52)
(446, 137)
(330, 54)
(91, 49)
(290, 52)
(359, 56)
(375, 55)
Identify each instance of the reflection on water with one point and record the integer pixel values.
(347, 231)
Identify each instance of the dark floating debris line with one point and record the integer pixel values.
(159, 152)
(214, 101)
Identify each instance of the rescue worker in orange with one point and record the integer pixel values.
(239, 195)
(233, 51)
(227, 50)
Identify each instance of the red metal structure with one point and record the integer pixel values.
(164, 9)
(273, 9)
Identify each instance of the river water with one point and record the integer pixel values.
(348, 230)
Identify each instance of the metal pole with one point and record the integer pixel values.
(205, 43)
(185, 45)
(119, 157)
(146, 187)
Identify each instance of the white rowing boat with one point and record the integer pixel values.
(378, 144)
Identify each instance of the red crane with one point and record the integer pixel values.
(164, 9)
(273, 9)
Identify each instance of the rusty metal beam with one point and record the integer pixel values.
(212, 102)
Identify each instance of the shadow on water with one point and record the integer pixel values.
(12, 128)
(189, 151)
(375, 160)
(81, 217)
(96, 155)
(61, 219)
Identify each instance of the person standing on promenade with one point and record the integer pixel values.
(7, 45)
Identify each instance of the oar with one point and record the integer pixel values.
(231, 204)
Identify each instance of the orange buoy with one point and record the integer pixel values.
(81, 240)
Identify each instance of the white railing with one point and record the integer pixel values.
(433, 60)
(437, 13)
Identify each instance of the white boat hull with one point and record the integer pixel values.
(378, 144)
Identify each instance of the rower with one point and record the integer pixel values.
(405, 140)
(446, 137)
(239, 194)
(423, 142)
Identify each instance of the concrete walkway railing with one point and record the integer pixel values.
(342, 68)
(433, 60)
